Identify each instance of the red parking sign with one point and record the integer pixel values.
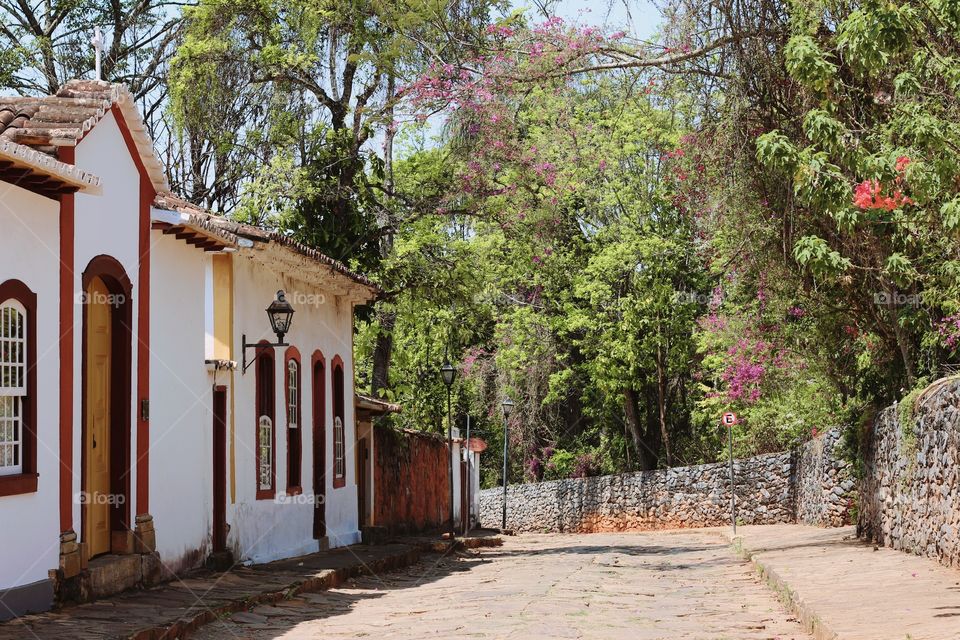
(729, 418)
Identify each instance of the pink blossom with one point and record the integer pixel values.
(949, 331)
(749, 363)
(499, 30)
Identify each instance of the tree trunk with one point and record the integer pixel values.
(903, 340)
(905, 353)
(646, 440)
(652, 441)
(662, 392)
(632, 414)
(383, 352)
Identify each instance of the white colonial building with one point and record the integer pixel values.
(132, 441)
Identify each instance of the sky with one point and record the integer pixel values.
(639, 18)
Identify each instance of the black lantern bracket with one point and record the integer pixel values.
(258, 347)
(280, 313)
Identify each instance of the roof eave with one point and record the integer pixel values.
(170, 221)
(42, 164)
(123, 99)
(336, 268)
(374, 405)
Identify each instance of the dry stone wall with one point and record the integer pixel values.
(771, 488)
(824, 482)
(907, 498)
(910, 491)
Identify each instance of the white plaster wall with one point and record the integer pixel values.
(106, 224)
(29, 252)
(181, 419)
(456, 457)
(264, 530)
(474, 484)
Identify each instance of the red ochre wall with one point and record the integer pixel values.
(411, 478)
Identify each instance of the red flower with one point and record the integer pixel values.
(869, 195)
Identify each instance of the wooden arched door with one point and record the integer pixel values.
(106, 408)
(99, 374)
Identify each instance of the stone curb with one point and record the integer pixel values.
(463, 544)
(805, 613)
(322, 581)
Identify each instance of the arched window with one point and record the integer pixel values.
(339, 435)
(18, 389)
(339, 466)
(265, 453)
(13, 385)
(266, 397)
(293, 393)
(294, 439)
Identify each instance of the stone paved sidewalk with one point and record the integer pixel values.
(843, 589)
(180, 607)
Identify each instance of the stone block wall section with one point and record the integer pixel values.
(824, 483)
(811, 484)
(910, 492)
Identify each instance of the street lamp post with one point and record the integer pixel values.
(507, 409)
(448, 373)
(469, 457)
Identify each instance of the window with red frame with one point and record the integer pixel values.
(266, 441)
(339, 435)
(294, 441)
(18, 389)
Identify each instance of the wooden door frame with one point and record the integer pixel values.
(111, 272)
(219, 533)
(363, 489)
(318, 390)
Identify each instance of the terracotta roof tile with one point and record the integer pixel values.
(375, 405)
(335, 265)
(46, 123)
(170, 202)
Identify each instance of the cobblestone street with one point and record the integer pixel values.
(638, 586)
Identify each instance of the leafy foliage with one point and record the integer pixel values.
(758, 212)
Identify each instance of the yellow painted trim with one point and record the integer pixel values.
(223, 307)
(233, 438)
(223, 346)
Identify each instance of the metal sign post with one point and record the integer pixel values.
(729, 419)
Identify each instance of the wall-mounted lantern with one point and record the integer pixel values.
(280, 313)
